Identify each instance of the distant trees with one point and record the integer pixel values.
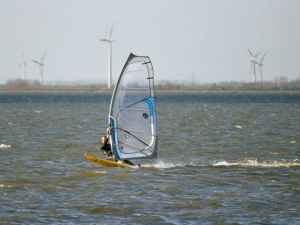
(35, 85)
(22, 84)
(279, 83)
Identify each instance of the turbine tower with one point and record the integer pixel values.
(261, 64)
(253, 62)
(23, 65)
(41, 64)
(109, 41)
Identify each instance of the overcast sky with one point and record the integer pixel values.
(207, 38)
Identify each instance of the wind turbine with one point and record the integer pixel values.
(261, 64)
(23, 65)
(109, 41)
(41, 63)
(253, 62)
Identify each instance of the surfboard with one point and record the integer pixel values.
(108, 162)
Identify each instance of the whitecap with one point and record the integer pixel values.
(4, 146)
(258, 164)
(5, 186)
(166, 165)
(38, 111)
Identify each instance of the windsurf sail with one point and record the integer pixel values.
(132, 116)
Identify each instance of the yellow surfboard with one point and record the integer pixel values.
(107, 162)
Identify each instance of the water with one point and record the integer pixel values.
(225, 158)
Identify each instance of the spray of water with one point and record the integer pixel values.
(4, 146)
(258, 164)
(168, 165)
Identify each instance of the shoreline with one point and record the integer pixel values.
(159, 91)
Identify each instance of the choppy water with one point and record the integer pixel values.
(225, 158)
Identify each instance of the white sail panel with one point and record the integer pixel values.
(133, 112)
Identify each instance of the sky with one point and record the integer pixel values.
(196, 40)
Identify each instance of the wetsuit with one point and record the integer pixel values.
(107, 149)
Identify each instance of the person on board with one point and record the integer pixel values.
(106, 147)
(104, 140)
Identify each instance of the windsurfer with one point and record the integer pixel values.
(106, 146)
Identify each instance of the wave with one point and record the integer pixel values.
(92, 173)
(5, 186)
(167, 165)
(258, 164)
(4, 146)
(240, 163)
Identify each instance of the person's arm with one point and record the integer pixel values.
(108, 131)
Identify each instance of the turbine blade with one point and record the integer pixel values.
(43, 56)
(110, 32)
(250, 52)
(257, 54)
(37, 62)
(262, 58)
